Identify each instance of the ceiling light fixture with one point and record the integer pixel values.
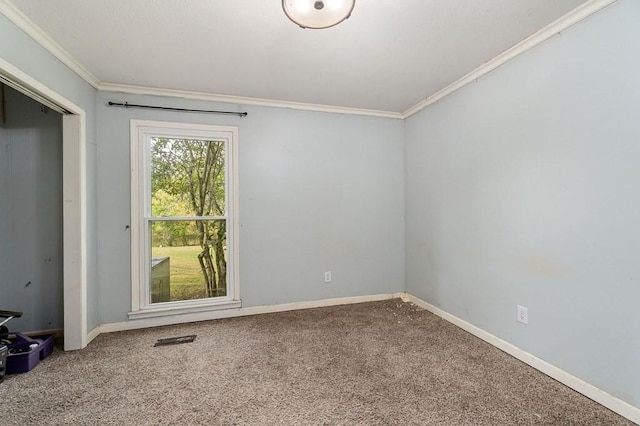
(318, 14)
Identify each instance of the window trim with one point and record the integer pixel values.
(140, 131)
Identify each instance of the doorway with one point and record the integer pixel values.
(73, 200)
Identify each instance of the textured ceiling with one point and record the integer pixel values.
(388, 56)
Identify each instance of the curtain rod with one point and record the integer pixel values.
(128, 105)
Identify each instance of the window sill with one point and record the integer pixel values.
(166, 311)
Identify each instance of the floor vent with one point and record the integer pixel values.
(175, 340)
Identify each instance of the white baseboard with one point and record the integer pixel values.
(235, 312)
(611, 402)
(93, 334)
(617, 405)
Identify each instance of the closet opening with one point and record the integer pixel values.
(42, 208)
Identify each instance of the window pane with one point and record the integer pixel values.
(187, 177)
(188, 260)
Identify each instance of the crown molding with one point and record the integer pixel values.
(42, 38)
(28, 26)
(578, 14)
(211, 97)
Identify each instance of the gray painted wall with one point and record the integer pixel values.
(24, 53)
(524, 188)
(31, 258)
(318, 192)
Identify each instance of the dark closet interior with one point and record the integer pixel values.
(31, 250)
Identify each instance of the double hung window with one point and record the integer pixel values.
(184, 209)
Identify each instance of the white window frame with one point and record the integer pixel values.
(141, 133)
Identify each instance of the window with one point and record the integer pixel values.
(183, 224)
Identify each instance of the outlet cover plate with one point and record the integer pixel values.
(522, 315)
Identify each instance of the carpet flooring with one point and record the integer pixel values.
(378, 363)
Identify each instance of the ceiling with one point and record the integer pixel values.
(389, 56)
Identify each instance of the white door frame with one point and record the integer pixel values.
(74, 206)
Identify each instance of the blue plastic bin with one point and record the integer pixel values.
(22, 357)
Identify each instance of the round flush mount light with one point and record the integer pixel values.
(318, 14)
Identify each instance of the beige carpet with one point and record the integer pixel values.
(381, 363)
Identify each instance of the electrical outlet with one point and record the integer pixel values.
(523, 315)
(327, 277)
